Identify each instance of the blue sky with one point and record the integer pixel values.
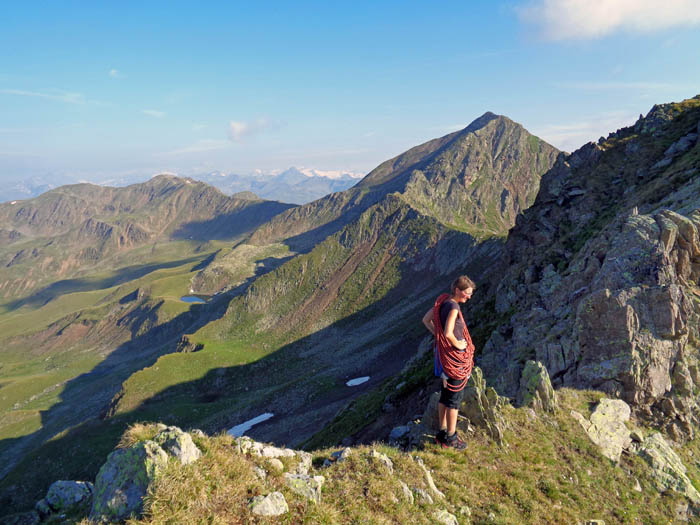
(94, 90)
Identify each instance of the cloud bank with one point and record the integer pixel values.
(589, 19)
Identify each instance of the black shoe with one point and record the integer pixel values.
(440, 437)
(454, 442)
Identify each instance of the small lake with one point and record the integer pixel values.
(241, 429)
(192, 299)
(357, 381)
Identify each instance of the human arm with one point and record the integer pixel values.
(428, 321)
(449, 331)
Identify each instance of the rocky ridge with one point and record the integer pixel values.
(600, 274)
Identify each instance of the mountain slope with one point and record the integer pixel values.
(347, 307)
(72, 228)
(476, 180)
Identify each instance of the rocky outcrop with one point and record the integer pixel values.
(536, 389)
(123, 480)
(178, 444)
(607, 428)
(66, 497)
(667, 470)
(482, 406)
(600, 278)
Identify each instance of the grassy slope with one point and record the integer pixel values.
(548, 472)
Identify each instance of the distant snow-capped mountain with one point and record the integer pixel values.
(292, 185)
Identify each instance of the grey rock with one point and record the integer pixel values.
(269, 451)
(260, 473)
(70, 496)
(667, 470)
(275, 465)
(42, 507)
(444, 517)
(482, 406)
(429, 478)
(273, 504)
(398, 432)
(305, 461)
(430, 416)
(383, 459)
(178, 444)
(123, 481)
(407, 494)
(305, 485)
(536, 388)
(423, 497)
(606, 427)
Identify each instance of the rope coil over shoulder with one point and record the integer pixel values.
(457, 364)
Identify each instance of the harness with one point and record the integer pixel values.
(457, 364)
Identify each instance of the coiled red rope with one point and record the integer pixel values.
(457, 364)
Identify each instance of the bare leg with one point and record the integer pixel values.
(451, 419)
(442, 413)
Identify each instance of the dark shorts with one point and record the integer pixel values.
(448, 398)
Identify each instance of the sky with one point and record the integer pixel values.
(93, 90)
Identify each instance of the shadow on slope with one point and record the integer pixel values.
(232, 224)
(302, 383)
(86, 284)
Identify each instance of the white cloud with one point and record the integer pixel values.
(586, 19)
(115, 73)
(570, 137)
(200, 146)
(198, 127)
(153, 113)
(53, 94)
(238, 131)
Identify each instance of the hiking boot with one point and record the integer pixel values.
(453, 441)
(440, 436)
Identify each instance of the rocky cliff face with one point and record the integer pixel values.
(601, 273)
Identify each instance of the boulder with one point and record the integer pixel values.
(273, 504)
(482, 406)
(606, 427)
(536, 389)
(305, 485)
(667, 470)
(275, 465)
(178, 444)
(70, 496)
(444, 517)
(123, 480)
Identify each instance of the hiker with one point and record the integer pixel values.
(454, 356)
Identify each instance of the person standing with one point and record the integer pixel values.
(454, 356)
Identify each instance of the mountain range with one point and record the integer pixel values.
(293, 185)
(586, 263)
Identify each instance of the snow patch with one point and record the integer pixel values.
(241, 429)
